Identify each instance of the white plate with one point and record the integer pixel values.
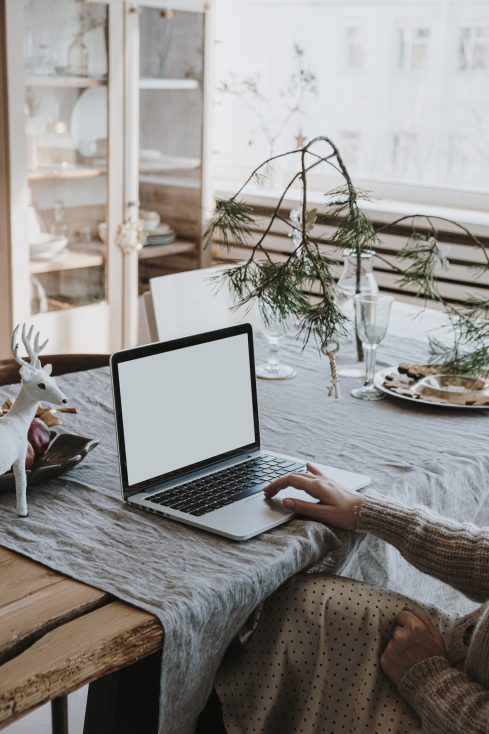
(47, 247)
(379, 384)
(89, 120)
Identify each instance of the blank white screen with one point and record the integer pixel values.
(186, 406)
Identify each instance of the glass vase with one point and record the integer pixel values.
(346, 286)
(77, 57)
(346, 289)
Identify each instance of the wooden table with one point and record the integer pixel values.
(57, 634)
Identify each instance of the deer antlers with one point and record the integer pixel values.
(32, 351)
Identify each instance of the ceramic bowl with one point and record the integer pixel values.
(150, 220)
(64, 452)
(102, 231)
(47, 246)
(455, 389)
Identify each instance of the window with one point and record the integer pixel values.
(355, 53)
(393, 122)
(413, 49)
(474, 48)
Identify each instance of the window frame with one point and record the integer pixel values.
(472, 27)
(405, 60)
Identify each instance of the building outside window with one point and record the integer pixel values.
(355, 48)
(350, 142)
(474, 48)
(413, 48)
(405, 148)
(411, 135)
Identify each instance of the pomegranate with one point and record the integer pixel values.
(39, 436)
(30, 456)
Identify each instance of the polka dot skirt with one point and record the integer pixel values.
(309, 663)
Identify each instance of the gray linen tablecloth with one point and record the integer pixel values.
(203, 587)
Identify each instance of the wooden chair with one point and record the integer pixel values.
(61, 363)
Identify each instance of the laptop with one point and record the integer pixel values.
(188, 435)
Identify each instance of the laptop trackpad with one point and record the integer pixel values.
(294, 494)
(275, 503)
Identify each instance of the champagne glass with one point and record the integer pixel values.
(274, 329)
(344, 298)
(372, 311)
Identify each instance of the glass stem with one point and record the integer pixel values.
(370, 360)
(273, 352)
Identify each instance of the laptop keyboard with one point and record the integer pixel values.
(213, 491)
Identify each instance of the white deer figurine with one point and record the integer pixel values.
(37, 386)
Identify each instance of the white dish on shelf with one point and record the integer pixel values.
(89, 120)
(150, 220)
(163, 229)
(102, 231)
(151, 160)
(47, 246)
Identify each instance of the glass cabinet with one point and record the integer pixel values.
(171, 88)
(66, 130)
(107, 181)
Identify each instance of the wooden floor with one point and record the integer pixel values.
(57, 635)
(39, 721)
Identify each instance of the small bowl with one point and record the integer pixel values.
(454, 389)
(149, 220)
(102, 231)
(47, 246)
(64, 452)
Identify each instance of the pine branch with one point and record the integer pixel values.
(425, 259)
(279, 287)
(233, 220)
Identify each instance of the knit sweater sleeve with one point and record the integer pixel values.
(454, 553)
(446, 700)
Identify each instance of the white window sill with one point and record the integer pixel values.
(381, 210)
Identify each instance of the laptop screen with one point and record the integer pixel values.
(184, 407)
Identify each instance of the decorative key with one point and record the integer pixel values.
(330, 351)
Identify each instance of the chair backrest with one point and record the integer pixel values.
(189, 303)
(147, 331)
(61, 363)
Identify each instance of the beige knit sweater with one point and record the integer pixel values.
(448, 699)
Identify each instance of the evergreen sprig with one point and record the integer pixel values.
(233, 219)
(424, 260)
(279, 288)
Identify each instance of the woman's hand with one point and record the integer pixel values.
(415, 638)
(336, 506)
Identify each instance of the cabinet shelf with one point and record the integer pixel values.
(165, 179)
(67, 82)
(174, 248)
(48, 174)
(71, 259)
(170, 84)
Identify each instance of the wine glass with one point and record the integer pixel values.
(274, 329)
(372, 311)
(344, 299)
